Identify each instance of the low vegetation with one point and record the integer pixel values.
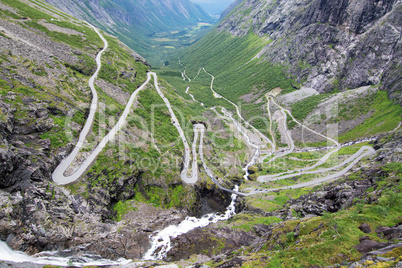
(385, 117)
(328, 239)
(301, 109)
(236, 72)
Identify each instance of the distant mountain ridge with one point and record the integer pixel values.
(230, 8)
(134, 21)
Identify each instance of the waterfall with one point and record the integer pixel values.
(161, 241)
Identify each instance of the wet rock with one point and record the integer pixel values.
(211, 199)
(9, 264)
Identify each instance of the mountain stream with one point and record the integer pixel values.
(161, 241)
(55, 258)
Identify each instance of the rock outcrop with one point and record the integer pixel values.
(209, 241)
(333, 198)
(328, 45)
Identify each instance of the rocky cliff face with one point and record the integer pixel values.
(328, 45)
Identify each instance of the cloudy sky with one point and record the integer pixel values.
(214, 7)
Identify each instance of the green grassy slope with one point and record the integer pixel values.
(231, 60)
(324, 240)
(238, 72)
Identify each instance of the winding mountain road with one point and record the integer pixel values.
(199, 130)
(352, 160)
(364, 150)
(58, 174)
(318, 163)
(216, 95)
(284, 129)
(243, 130)
(186, 161)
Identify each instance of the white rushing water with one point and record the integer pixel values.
(161, 243)
(51, 258)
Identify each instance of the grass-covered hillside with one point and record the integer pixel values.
(46, 60)
(329, 238)
(283, 136)
(338, 224)
(249, 61)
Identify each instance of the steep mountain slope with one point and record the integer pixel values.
(47, 58)
(134, 21)
(340, 44)
(319, 46)
(135, 187)
(334, 65)
(326, 45)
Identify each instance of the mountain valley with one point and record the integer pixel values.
(155, 29)
(278, 132)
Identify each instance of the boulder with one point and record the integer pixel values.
(365, 228)
(261, 229)
(235, 262)
(368, 245)
(210, 241)
(390, 232)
